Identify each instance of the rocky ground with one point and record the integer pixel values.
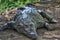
(43, 34)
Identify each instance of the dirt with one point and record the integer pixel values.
(43, 34)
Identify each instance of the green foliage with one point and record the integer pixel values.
(9, 4)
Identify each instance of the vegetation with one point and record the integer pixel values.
(9, 4)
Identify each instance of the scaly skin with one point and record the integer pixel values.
(27, 21)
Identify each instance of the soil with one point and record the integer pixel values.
(43, 34)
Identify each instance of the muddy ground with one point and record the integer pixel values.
(43, 34)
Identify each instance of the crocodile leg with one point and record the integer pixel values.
(7, 25)
(48, 17)
(44, 24)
